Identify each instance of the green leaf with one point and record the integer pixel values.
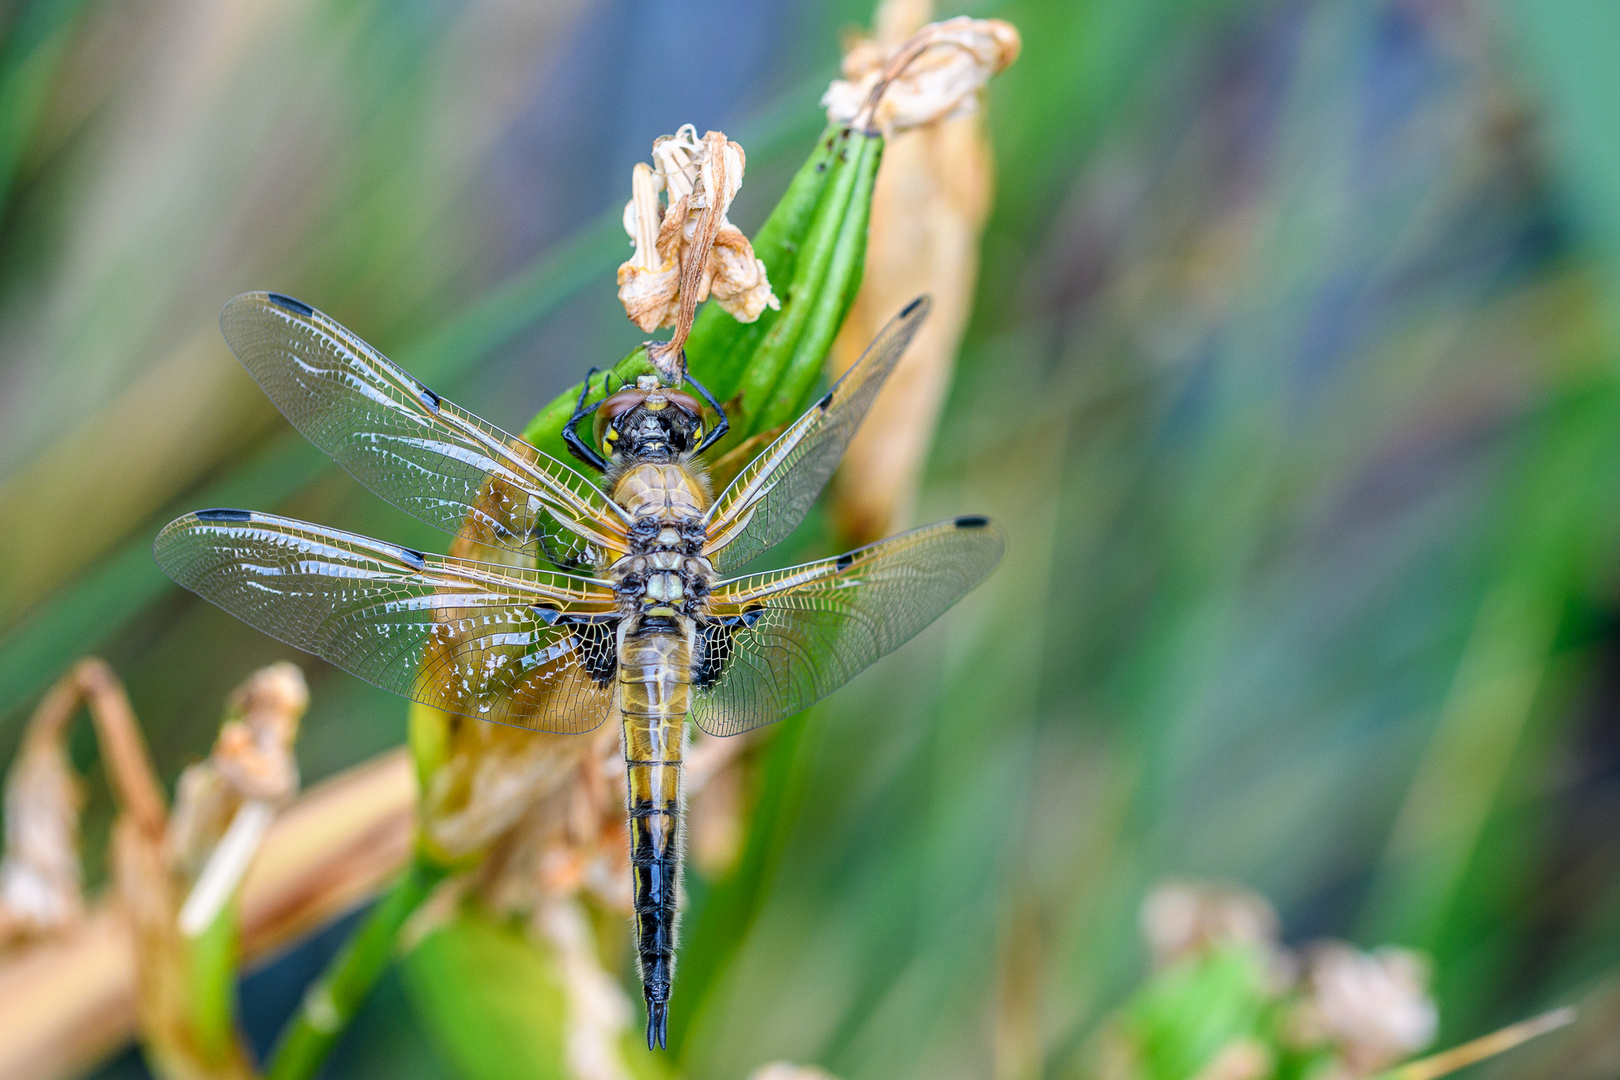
(492, 1002)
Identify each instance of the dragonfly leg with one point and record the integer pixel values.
(577, 446)
(720, 427)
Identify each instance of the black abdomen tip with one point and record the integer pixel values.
(972, 521)
(657, 1025)
(223, 515)
(289, 303)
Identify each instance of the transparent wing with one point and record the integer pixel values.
(423, 454)
(531, 648)
(770, 497)
(781, 641)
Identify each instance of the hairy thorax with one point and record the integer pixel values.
(665, 572)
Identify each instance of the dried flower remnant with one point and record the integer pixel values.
(686, 249)
(933, 74)
(1183, 918)
(1373, 1007)
(929, 208)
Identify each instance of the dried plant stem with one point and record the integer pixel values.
(68, 1002)
(331, 1002)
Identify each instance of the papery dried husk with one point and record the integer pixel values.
(492, 776)
(929, 207)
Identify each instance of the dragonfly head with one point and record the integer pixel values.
(648, 422)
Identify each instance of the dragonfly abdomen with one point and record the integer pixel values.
(655, 665)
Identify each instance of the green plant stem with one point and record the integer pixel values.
(211, 963)
(332, 1000)
(719, 347)
(840, 283)
(766, 368)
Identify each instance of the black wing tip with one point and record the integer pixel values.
(657, 1025)
(281, 300)
(972, 521)
(924, 302)
(223, 514)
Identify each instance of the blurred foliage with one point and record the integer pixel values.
(1293, 378)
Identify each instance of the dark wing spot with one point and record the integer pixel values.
(414, 558)
(972, 521)
(598, 649)
(846, 560)
(289, 303)
(224, 515)
(546, 615)
(909, 308)
(825, 401)
(429, 398)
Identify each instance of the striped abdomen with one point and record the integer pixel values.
(655, 665)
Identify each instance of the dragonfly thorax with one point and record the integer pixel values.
(665, 567)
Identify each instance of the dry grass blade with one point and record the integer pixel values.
(1487, 1046)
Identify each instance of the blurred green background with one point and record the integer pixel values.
(1294, 377)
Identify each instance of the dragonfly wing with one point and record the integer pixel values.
(422, 453)
(531, 648)
(770, 497)
(781, 641)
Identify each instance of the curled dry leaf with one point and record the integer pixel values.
(40, 874)
(910, 75)
(686, 249)
(928, 211)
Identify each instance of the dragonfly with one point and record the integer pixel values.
(628, 598)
